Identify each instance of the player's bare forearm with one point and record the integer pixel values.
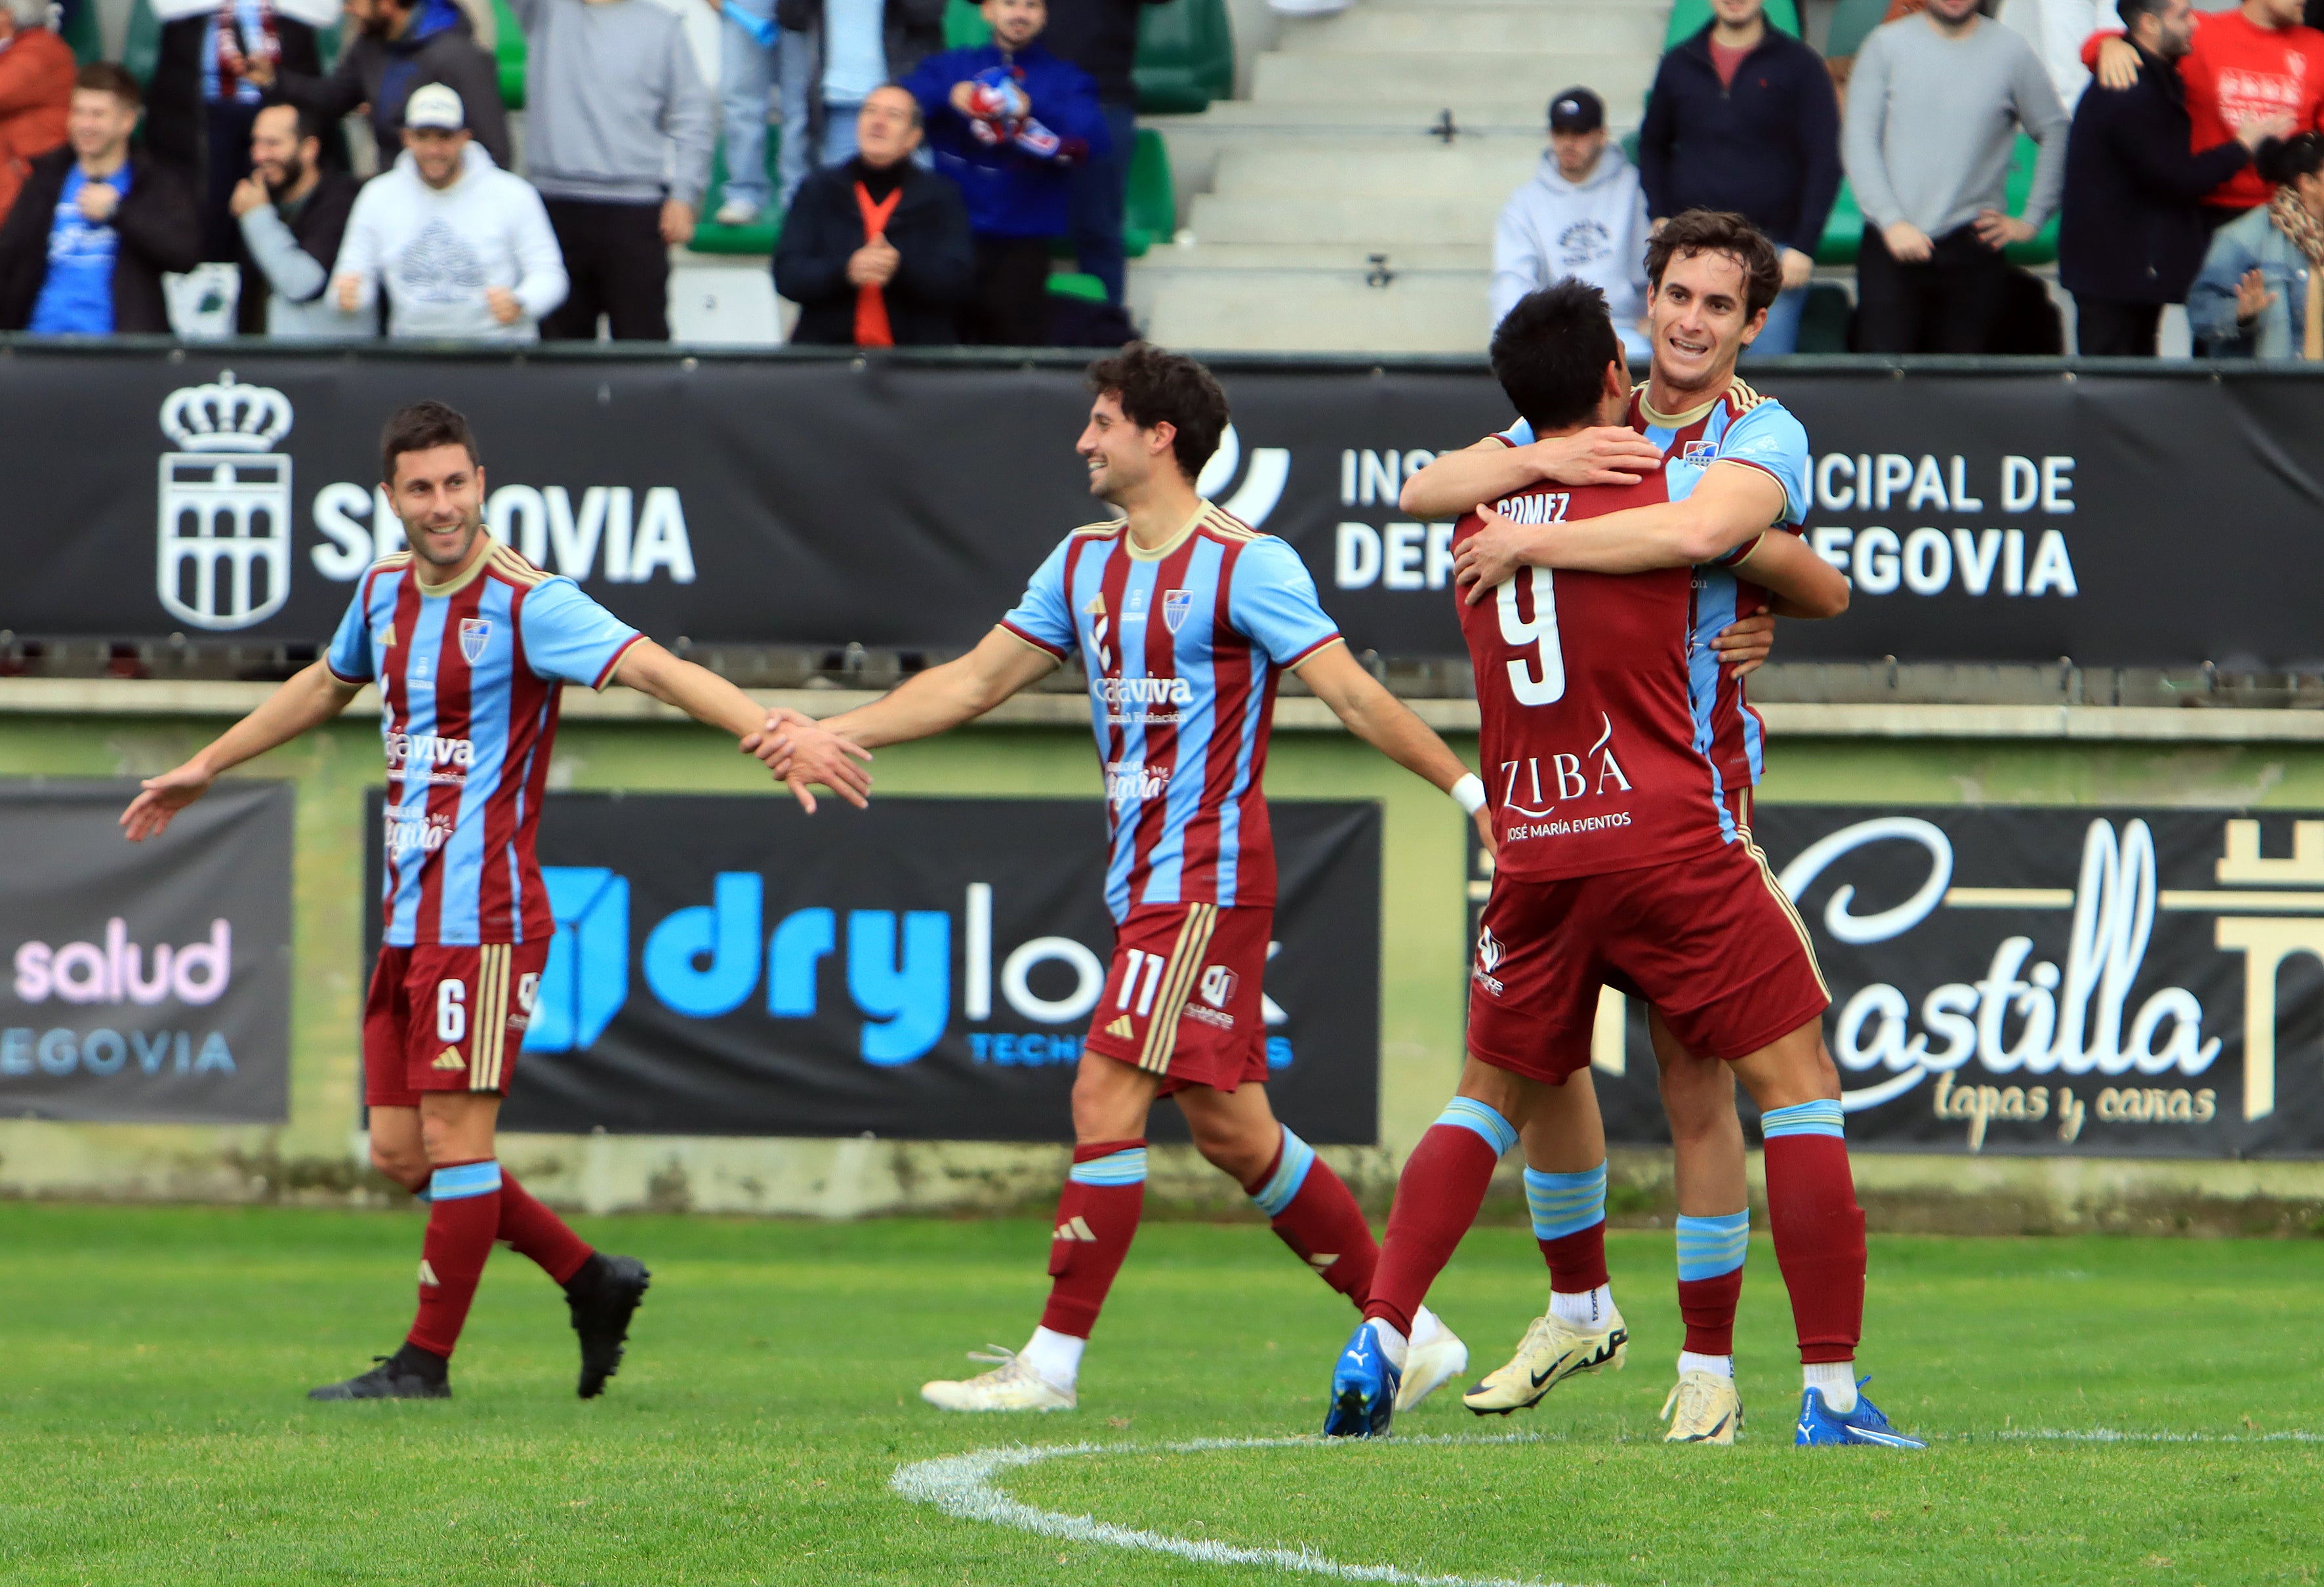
(307, 700)
(1800, 582)
(1457, 481)
(943, 697)
(1728, 505)
(697, 691)
(1377, 717)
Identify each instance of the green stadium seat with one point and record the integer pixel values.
(1844, 230)
(1072, 285)
(509, 52)
(1150, 214)
(1186, 57)
(710, 237)
(1849, 24)
(1690, 17)
(140, 49)
(84, 34)
(1823, 318)
(964, 26)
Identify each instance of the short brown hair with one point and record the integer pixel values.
(105, 78)
(421, 427)
(1720, 231)
(1154, 387)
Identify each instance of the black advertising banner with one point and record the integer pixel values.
(2018, 516)
(924, 969)
(2051, 982)
(150, 983)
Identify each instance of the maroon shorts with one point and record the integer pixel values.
(1183, 997)
(1711, 942)
(447, 1018)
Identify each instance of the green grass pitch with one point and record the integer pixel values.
(154, 1427)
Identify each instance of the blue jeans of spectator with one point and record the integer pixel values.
(1635, 347)
(797, 68)
(1100, 189)
(746, 76)
(1780, 334)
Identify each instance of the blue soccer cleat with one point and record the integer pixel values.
(1819, 1424)
(1363, 1388)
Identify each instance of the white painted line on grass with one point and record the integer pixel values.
(2111, 1436)
(962, 1485)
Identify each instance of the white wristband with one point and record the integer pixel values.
(1468, 793)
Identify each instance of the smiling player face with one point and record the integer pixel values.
(1699, 322)
(1121, 458)
(439, 495)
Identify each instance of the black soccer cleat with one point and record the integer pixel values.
(400, 1376)
(603, 1296)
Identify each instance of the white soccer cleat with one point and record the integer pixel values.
(1709, 1410)
(1431, 1361)
(1011, 1386)
(1552, 1351)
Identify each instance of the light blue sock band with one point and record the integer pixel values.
(1708, 1247)
(1468, 1113)
(1289, 1175)
(1121, 1167)
(458, 1183)
(1565, 1203)
(1819, 1118)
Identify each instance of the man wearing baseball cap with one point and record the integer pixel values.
(1582, 214)
(462, 248)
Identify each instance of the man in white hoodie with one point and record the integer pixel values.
(463, 248)
(1582, 214)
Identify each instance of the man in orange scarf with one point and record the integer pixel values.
(876, 251)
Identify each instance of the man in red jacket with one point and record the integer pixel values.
(2252, 64)
(36, 87)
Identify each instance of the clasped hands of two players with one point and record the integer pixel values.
(1608, 455)
(799, 750)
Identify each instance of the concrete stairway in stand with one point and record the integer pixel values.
(1348, 205)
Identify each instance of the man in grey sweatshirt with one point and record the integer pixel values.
(618, 140)
(1582, 214)
(1934, 106)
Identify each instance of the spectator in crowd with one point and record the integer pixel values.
(834, 52)
(1742, 117)
(36, 90)
(749, 47)
(1933, 110)
(203, 94)
(1009, 122)
(389, 47)
(2132, 235)
(2255, 296)
(2253, 64)
(461, 247)
(2057, 29)
(876, 251)
(96, 224)
(1582, 214)
(1100, 37)
(618, 140)
(293, 213)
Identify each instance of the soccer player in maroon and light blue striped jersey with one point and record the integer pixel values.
(470, 646)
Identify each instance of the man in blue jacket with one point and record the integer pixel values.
(1742, 117)
(1010, 123)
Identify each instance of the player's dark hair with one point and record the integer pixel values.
(107, 77)
(421, 427)
(1550, 353)
(2130, 11)
(1154, 387)
(1720, 231)
(310, 125)
(2281, 162)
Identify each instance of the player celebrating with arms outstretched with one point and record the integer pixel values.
(471, 646)
(1187, 620)
(1618, 861)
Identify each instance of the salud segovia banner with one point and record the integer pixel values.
(725, 964)
(2116, 518)
(2059, 982)
(148, 982)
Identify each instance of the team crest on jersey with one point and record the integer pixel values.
(1175, 605)
(1701, 454)
(475, 633)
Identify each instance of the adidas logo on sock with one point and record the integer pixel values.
(428, 1273)
(449, 1058)
(1321, 1261)
(1121, 1028)
(1074, 1227)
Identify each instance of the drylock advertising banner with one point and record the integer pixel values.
(2062, 981)
(2116, 520)
(149, 983)
(924, 969)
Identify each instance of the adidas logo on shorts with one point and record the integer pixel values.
(1074, 1227)
(449, 1058)
(1121, 1028)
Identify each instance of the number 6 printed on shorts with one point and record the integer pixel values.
(451, 1011)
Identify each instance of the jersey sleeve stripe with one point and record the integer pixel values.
(614, 662)
(1013, 631)
(1300, 659)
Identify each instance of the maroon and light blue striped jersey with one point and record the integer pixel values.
(469, 675)
(1183, 645)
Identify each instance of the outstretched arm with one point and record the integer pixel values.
(710, 699)
(1732, 503)
(308, 700)
(1386, 724)
(1457, 481)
